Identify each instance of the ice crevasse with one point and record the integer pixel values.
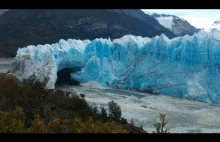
(187, 66)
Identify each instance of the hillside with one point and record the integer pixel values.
(32, 27)
(29, 108)
(177, 25)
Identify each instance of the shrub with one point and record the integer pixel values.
(82, 96)
(38, 126)
(95, 109)
(41, 111)
(59, 126)
(160, 126)
(91, 126)
(12, 122)
(124, 121)
(114, 110)
(103, 112)
(132, 122)
(141, 127)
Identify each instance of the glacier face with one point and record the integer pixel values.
(185, 66)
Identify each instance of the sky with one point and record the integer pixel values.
(200, 18)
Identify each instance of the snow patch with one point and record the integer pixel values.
(167, 22)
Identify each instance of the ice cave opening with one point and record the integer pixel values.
(64, 76)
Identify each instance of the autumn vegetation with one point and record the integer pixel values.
(29, 108)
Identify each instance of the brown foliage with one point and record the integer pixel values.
(40, 111)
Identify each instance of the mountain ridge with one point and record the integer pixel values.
(177, 25)
(32, 27)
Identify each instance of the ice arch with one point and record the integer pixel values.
(187, 66)
(42, 62)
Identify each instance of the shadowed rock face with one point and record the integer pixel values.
(32, 27)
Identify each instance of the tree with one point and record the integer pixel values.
(124, 121)
(132, 122)
(95, 110)
(114, 110)
(141, 127)
(160, 126)
(12, 121)
(38, 126)
(103, 112)
(82, 96)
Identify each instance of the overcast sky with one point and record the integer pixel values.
(200, 18)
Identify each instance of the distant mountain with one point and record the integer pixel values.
(32, 27)
(177, 25)
(3, 11)
(138, 14)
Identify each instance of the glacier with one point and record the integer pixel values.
(187, 67)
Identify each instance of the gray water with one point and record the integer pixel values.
(4, 65)
(182, 115)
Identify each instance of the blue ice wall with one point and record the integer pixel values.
(185, 66)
